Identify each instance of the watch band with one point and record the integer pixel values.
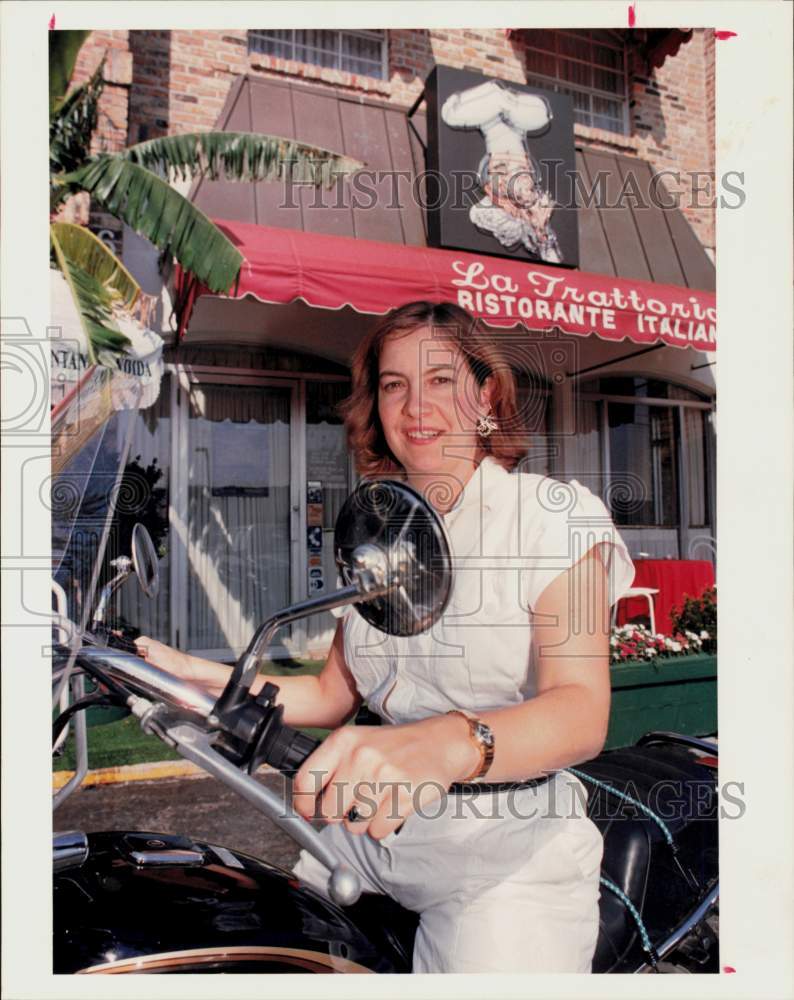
(483, 738)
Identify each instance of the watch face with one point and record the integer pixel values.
(484, 734)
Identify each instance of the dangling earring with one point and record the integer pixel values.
(486, 425)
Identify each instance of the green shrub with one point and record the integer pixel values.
(698, 614)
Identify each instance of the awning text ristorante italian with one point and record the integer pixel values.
(331, 272)
(563, 300)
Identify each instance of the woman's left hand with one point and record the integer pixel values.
(387, 772)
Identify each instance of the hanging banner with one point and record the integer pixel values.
(136, 372)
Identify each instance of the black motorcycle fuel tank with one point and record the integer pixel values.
(160, 903)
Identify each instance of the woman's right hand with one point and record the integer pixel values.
(165, 657)
(204, 673)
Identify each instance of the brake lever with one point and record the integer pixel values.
(195, 745)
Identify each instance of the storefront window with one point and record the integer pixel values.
(646, 449)
(697, 430)
(588, 65)
(584, 460)
(361, 52)
(238, 512)
(642, 475)
(144, 496)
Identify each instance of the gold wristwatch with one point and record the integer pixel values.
(483, 738)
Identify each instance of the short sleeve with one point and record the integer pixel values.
(561, 523)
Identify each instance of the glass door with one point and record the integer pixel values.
(237, 494)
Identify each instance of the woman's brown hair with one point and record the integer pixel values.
(507, 444)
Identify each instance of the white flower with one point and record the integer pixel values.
(650, 652)
(676, 647)
(704, 635)
(613, 641)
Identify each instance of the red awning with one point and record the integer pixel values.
(329, 272)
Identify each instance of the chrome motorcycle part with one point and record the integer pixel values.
(69, 850)
(146, 679)
(404, 540)
(145, 561)
(344, 885)
(123, 566)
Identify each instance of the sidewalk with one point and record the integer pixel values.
(131, 772)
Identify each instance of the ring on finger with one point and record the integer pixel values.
(353, 815)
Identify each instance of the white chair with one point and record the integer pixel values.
(643, 592)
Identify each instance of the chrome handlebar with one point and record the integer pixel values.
(149, 681)
(151, 685)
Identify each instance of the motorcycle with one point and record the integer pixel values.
(148, 902)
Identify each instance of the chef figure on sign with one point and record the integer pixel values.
(515, 208)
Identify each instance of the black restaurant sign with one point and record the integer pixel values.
(500, 161)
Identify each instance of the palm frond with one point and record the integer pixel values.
(156, 211)
(94, 302)
(71, 128)
(82, 247)
(63, 49)
(241, 156)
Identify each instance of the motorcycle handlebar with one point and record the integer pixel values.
(282, 747)
(147, 680)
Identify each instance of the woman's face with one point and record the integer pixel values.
(429, 404)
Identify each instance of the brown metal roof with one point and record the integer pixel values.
(637, 239)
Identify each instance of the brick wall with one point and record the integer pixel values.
(149, 111)
(112, 118)
(180, 80)
(672, 112)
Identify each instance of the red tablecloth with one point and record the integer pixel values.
(673, 578)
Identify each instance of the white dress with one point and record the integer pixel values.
(504, 881)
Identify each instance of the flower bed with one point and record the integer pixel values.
(635, 642)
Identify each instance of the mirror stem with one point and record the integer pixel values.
(246, 667)
(124, 566)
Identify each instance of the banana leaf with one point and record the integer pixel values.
(147, 204)
(71, 128)
(83, 248)
(240, 156)
(63, 49)
(94, 302)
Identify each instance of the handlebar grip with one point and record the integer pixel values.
(288, 749)
(119, 642)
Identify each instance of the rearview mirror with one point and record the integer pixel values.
(144, 561)
(389, 528)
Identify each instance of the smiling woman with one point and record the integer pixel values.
(436, 357)
(511, 684)
(460, 807)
